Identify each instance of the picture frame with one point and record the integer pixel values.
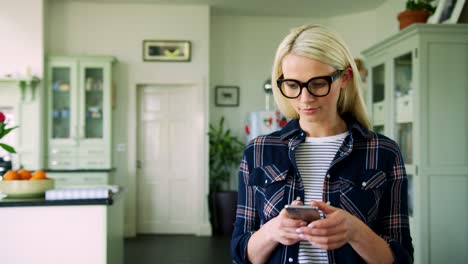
(227, 96)
(167, 50)
(447, 12)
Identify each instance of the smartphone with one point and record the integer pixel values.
(307, 213)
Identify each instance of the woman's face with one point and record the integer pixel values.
(312, 109)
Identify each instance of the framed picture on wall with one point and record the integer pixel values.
(227, 95)
(167, 50)
(447, 12)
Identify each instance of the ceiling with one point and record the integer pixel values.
(291, 8)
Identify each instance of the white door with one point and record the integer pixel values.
(169, 134)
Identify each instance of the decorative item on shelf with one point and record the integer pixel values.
(417, 11)
(32, 83)
(4, 131)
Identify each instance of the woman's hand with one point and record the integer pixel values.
(282, 229)
(332, 232)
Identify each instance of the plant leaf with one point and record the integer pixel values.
(7, 148)
(4, 132)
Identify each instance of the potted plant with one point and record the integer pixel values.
(417, 11)
(225, 154)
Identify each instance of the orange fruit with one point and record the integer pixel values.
(38, 175)
(24, 174)
(11, 175)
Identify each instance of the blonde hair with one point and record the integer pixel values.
(321, 44)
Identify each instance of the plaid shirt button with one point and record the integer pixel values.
(364, 184)
(290, 259)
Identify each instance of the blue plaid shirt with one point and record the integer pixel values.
(367, 178)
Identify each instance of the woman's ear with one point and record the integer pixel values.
(346, 77)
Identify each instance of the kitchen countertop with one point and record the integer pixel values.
(16, 202)
(21, 202)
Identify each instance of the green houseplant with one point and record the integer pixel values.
(417, 11)
(225, 154)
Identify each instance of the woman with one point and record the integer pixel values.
(325, 156)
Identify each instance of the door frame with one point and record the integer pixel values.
(202, 219)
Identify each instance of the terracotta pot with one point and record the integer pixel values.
(409, 17)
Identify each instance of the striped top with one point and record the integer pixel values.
(313, 158)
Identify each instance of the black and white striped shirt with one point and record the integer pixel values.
(313, 158)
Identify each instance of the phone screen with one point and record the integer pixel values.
(304, 212)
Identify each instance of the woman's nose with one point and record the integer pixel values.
(306, 96)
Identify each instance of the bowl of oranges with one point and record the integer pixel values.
(25, 184)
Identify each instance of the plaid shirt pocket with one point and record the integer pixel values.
(269, 182)
(361, 192)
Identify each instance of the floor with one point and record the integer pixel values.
(176, 249)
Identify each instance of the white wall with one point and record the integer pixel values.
(386, 20)
(119, 30)
(21, 37)
(21, 46)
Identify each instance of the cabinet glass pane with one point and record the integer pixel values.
(410, 194)
(405, 140)
(378, 84)
(378, 96)
(403, 75)
(94, 102)
(61, 102)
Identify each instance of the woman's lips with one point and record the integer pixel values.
(309, 111)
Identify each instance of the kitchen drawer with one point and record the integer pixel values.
(64, 180)
(62, 163)
(98, 151)
(404, 109)
(94, 162)
(67, 179)
(62, 151)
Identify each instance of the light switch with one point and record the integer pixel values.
(121, 147)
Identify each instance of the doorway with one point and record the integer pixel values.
(170, 161)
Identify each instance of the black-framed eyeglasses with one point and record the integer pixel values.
(317, 86)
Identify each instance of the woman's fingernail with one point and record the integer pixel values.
(311, 225)
(301, 236)
(298, 230)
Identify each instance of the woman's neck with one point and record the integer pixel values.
(316, 129)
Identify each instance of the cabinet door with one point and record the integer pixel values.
(62, 86)
(403, 117)
(94, 117)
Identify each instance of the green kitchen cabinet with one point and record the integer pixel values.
(417, 94)
(79, 112)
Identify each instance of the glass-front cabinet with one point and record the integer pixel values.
(418, 91)
(79, 93)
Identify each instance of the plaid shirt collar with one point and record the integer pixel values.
(292, 128)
